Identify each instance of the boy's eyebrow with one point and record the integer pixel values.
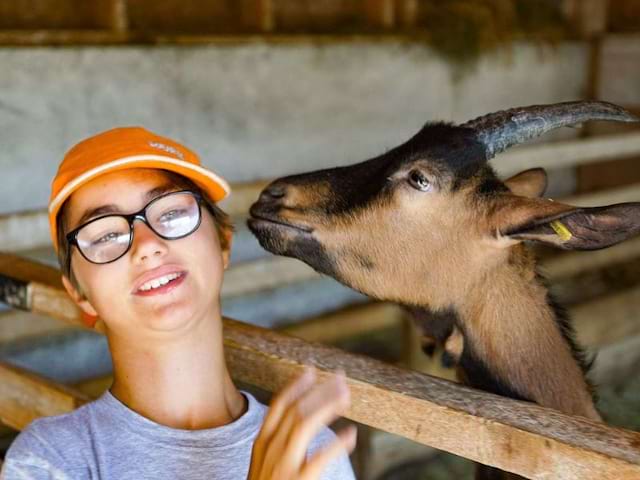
(110, 208)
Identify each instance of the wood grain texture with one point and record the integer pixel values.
(25, 397)
(514, 436)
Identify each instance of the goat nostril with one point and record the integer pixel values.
(273, 192)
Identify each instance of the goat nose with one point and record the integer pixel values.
(273, 192)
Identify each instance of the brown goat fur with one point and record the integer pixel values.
(430, 226)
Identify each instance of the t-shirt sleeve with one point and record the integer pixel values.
(340, 467)
(31, 458)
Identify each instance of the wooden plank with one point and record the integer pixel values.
(380, 13)
(619, 69)
(407, 13)
(269, 273)
(258, 15)
(71, 14)
(573, 263)
(43, 294)
(589, 17)
(47, 37)
(18, 324)
(616, 363)
(624, 15)
(119, 16)
(25, 397)
(628, 193)
(608, 320)
(569, 153)
(520, 437)
(348, 323)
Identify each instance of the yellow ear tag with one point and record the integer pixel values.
(562, 231)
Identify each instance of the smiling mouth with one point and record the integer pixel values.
(256, 220)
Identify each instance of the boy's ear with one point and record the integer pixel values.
(565, 226)
(78, 298)
(530, 183)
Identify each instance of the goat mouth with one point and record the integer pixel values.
(256, 221)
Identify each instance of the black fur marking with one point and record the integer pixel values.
(437, 324)
(479, 376)
(491, 184)
(457, 147)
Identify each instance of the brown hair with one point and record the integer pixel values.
(220, 219)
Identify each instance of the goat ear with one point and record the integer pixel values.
(528, 183)
(575, 228)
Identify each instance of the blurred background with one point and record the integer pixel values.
(264, 88)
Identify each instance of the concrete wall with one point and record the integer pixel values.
(254, 111)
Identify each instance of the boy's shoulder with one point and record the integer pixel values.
(50, 444)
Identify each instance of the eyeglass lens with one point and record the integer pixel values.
(171, 216)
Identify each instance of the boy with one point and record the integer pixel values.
(143, 246)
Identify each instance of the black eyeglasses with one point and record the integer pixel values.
(105, 239)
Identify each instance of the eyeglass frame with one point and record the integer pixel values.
(72, 236)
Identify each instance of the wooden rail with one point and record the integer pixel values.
(515, 436)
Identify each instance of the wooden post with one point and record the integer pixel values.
(380, 14)
(589, 17)
(258, 15)
(119, 16)
(407, 13)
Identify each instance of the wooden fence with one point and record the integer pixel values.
(514, 436)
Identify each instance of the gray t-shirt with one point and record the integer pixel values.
(106, 440)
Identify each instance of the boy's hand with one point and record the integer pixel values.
(296, 415)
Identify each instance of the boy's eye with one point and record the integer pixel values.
(172, 215)
(109, 237)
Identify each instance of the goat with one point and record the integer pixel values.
(429, 225)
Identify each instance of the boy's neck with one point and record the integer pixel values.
(182, 383)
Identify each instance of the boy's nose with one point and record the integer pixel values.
(145, 242)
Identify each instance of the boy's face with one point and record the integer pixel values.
(110, 290)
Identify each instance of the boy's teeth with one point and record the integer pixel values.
(158, 282)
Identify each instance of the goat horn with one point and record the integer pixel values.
(500, 130)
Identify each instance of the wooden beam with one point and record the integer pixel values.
(608, 320)
(30, 38)
(407, 13)
(347, 323)
(380, 13)
(569, 153)
(25, 397)
(119, 16)
(258, 15)
(589, 17)
(36, 288)
(569, 264)
(243, 195)
(628, 193)
(519, 437)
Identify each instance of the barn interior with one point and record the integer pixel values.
(266, 88)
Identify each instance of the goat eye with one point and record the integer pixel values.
(419, 181)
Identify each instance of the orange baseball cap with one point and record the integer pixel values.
(122, 149)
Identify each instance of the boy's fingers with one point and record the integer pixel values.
(344, 443)
(286, 397)
(317, 408)
(273, 420)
